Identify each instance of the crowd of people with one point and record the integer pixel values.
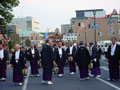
(86, 58)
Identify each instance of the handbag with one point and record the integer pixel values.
(40, 64)
(90, 66)
(56, 70)
(70, 58)
(25, 71)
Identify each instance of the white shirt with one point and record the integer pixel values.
(2, 53)
(60, 51)
(113, 47)
(33, 51)
(17, 53)
(71, 48)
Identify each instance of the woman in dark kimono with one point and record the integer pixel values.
(60, 57)
(34, 58)
(95, 71)
(18, 63)
(3, 62)
(83, 60)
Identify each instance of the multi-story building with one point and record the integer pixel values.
(65, 28)
(27, 23)
(107, 28)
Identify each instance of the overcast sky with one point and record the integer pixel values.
(52, 13)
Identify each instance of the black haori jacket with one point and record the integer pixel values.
(73, 52)
(57, 56)
(82, 58)
(47, 57)
(21, 62)
(37, 57)
(117, 53)
(6, 57)
(95, 57)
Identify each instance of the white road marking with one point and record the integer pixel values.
(104, 67)
(108, 83)
(26, 80)
(103, 62)
(112, 85)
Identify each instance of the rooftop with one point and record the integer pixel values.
(25, 33)
(89, 10)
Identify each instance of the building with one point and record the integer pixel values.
(88, 13)
(27, 23)
(107, 28)
(34, 37)
(65, 28)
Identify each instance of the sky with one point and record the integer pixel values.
(52, 13)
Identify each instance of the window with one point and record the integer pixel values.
(118, 22)
(31, 38)
(99, 33)
(29, 24)
(119, 31)
(89, 26)
(111, 32)
(81, 24)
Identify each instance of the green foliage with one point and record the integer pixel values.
(14, 40)
(71, 30)
(6, 9)
(27, 42)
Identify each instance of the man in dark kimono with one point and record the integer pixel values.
(25, 52)
(47, 57)
(95, 71)
(113, 56)
(34, 59)
(71, 51)
(25, 56)
(18, 63)
(60, 57)
(99, 52)
(83, 60)
(3, 62)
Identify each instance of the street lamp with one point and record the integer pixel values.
(94, 13)
(85, 35)
(22, 40)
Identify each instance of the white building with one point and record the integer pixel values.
(65, 28)
(27, 23)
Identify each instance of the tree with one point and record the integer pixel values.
(14, 40)
(71, 30)
(27, 42)
(6, 9)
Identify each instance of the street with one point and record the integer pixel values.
(67, 82)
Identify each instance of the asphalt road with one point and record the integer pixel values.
(68, 82)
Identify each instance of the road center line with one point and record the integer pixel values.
(26, 80)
